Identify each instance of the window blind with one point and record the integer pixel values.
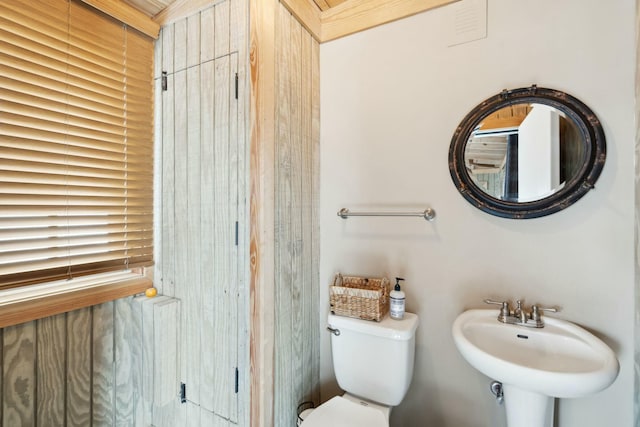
(76, 142)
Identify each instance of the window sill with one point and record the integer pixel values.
(20, 305)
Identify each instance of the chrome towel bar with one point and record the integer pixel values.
(428, 214)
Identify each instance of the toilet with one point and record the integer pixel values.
(373, 363)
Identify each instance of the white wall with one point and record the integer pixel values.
(391, 98)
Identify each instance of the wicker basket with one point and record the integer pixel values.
(361, 297)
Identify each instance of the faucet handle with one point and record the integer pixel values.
(503, 304)
(505, 311)
(535, 311)
(490, 301)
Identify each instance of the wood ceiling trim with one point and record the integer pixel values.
(127, 14)
(327, 4)
(353, 16)
(181, 9)
(307, 13)
(334, 3)
(149, 7)
(322, 4)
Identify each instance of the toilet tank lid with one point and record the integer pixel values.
(401, 330)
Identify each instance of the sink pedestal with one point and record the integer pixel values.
(526, 408)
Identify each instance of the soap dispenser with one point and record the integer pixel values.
(397, 301)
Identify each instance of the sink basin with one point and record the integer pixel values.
(559, 360)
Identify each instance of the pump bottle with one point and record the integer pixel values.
(397, 301)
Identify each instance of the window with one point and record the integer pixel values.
(76, 143)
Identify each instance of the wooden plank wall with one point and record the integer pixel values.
(296, 229)
(114, 364)
(636, 406)
(262, 105)
(83, 368)
(202, 196)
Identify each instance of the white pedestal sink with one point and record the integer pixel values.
(534, 365)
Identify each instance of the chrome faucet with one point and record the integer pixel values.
(519, 315)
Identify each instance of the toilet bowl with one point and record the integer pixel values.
(373, 363)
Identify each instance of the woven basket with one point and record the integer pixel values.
(361, 297)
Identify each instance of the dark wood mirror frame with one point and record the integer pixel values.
(585, 121)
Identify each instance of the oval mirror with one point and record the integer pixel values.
(527, 153)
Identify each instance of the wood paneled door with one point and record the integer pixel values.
(200, 105)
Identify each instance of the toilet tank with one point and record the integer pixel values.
(374, 360)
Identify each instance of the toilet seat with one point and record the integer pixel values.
(342, 412)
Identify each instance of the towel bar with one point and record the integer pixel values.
(428, 214)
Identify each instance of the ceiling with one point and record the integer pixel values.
(152, 7)
(326, 4)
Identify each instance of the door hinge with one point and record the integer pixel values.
(164, 81)
(236, 85)
(237, 380)
(236, 233)
(183, 393)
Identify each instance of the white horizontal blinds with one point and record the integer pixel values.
(75, 142)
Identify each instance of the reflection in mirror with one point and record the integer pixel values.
(527, 153)
(524, 152)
